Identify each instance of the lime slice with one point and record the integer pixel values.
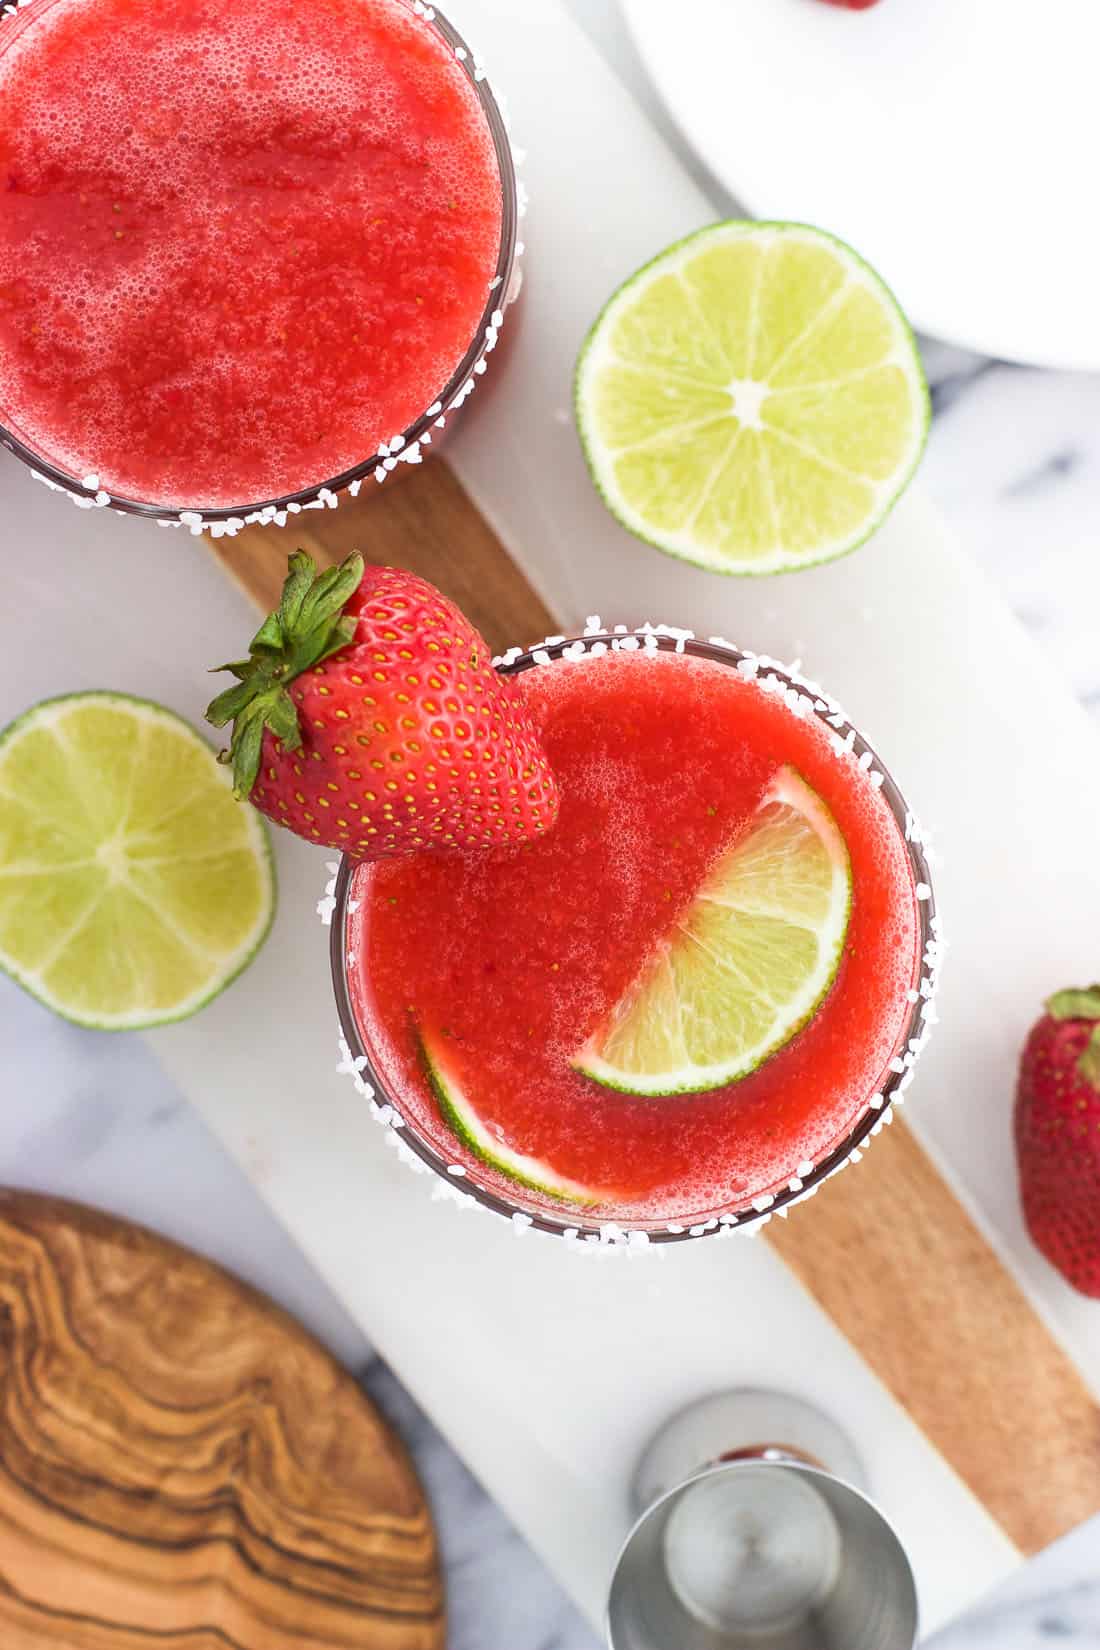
(477, 1136)
(752, 400)
(745, 966)
(133, 887)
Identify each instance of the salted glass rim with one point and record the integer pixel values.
(449, 398)
(877, 1107)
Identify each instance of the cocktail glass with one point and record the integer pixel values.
(504, 287)
(573, 1224)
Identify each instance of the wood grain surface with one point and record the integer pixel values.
(181, 1466)
(888, 1252)
(420, 519)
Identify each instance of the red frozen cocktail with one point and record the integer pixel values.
(686, 999)
(241, 245)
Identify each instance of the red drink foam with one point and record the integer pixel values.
(661, 761)
(242, 242)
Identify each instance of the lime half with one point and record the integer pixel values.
(745, 966)
(133, 886)
(477, 1137)
(752, 400)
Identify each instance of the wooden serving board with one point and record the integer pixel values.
(889, 1253)
(180, 1464)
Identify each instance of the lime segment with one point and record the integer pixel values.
(745, 966)
(752, 400)
(133, 887)
(479, 1138)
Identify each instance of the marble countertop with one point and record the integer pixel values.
(1014, 464)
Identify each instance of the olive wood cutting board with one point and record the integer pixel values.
(890, 1254)
(181, 1464)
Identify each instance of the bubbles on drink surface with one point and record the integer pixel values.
(262, 238)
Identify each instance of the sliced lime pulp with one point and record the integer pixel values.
(745, 966)
(483, 1142)
(752, 400)
(133, 887)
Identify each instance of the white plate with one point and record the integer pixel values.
(954, 143)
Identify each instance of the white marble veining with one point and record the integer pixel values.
(1014, 463)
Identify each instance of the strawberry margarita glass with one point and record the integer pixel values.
(249, 253)
(688, 1003)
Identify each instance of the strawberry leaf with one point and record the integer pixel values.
(296, 588)
(1075, 1005)
(307, 628)
(282, 719)
(245, 747)
(229, 704)
(1089, 1063)
(269, 637)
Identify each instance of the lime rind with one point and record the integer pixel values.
(29, 822)
(597, 355)
(532, 1173)
(745, 968)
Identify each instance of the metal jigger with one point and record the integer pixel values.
(744, 1545)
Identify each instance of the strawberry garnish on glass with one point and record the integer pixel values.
(1058, 1135)
(368, 717)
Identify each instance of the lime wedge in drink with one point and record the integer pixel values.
(745, 966)
(133, 887)
(478, 1138)
(752, 400)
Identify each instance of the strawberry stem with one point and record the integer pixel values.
(306, 628)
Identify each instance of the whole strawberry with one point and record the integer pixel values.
(368, 717)
(1058, 1136)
